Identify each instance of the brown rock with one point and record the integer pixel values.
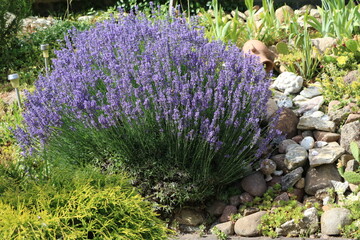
(216, 208)
(282, 197)
(282, 12)
(333, 105)
(284, 144)
(228, 211)
(297, 138)
(235, 200)
(326, 136)
(300, 184)
(287, 123)
(274, 180)
(279, 160)
(245, 198)
(352, 76)
(190, 217)
(297, 194)
(250, 210)
(350, 132)
(352, 118)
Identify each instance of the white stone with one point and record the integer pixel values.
(340, 187)
(310, 105)
(317, 114)
(288, 82)
(311, 123)
(285, 102)
(310, 92)
(308, 142)
(320, 144)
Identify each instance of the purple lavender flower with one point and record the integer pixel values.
(134, 69)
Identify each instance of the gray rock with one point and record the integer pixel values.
(296, 156)
(284, 102)
(350, 133)
(311, 123)
(308, 105)
(317, 114)
(300, 184)
(311, 220)
(245, 198)
(282, 12)
(334, 219)
(284, 144)
(279, 160)
(339, 116)
(352, 118)
(325, 155)
(310, 92)
(248, 226)
(226, 227)
(322, 43)
(254, 184)
(190, 217)
(235, 200)
(326, 136)
(288, 82)
(352, 76)
(271, 108)
(352, 166)
(307, 143)
(228, 211)
(290, 179)
(320, 178)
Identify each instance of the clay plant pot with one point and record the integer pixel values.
(258, 48)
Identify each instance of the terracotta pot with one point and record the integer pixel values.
(258, 48)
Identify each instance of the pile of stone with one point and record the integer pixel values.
(33, 24)
(317, 139)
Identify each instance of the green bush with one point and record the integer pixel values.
(77, 204)
(11, 13)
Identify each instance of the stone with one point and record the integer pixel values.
(290, 179)
(320, 144)
(326, 136)
(310, 92)
(352, 76)
(228, 211)
(284, 144)
(216, 208)
(86, 18)
(190, 217)
(334, 105)
(323, 43)
(284, 102)
(282, 197)
(352, 166)
(325, 155)
(334, 219)
(250, 210)
(311, 220)
(235, 200)
(188, 229)
(300, 184)
(287, 123)
(340, 187)
(352, 118)
(271, 108)
(321, 194)
(297, 138)
(226, 227)
(308, 143)
(274, 180)
(295, 157)
(248, 226)
(320, 178)
(298, 194)
(311, 123)
(350, 133)
(311, 201)
(307, 133)
(288, 82)
(279, 160)
(340, 115)
(245, 198)
(254, 184)
(315, 13)
(284, 12)
(308, 105)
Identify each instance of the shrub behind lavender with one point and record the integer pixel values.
(183, 112)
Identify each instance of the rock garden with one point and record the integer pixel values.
(192, 122)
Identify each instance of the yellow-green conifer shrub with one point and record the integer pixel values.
(97, 207)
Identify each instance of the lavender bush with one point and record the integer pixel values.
(183, 113)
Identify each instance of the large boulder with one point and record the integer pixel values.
(254, 184)
(287, 123)
(334, 219)
(350, 133)
(288, 82)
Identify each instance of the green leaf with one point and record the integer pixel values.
(282, 48)
(354, 147)
(352, 45)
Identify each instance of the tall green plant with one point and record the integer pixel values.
(337, 19)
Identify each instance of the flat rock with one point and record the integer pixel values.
(228, 211)
(290, 179)
(308, 105)
(334, 219)
(320, 178)
(311, 123)
(326, 136)
(325, 155)
(248, 226)
(322, 43)
(254, 184)
(310, 92)
(352, 117)
(284, 144)
(340, 115)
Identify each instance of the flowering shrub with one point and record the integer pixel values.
(183, 113)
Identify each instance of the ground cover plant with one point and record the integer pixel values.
(76, 204)
(183, 114)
